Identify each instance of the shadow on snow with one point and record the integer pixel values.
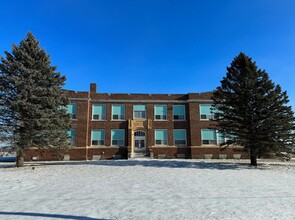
(32, 214)
(7, 165)
(153, 163)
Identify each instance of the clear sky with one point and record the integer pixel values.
(155, 46)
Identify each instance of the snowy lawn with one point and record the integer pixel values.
(148, 189)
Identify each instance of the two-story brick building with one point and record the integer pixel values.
(127, 125)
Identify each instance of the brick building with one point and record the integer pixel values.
(127, 125)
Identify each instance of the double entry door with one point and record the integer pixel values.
(139, 141)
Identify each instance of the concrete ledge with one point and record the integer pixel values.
(161, 156)
(237, 156)
(222, 156)
(66, 157)
(215, 147)
(96, 157)
(208, 156)
(165, 146)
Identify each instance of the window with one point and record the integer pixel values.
(160, 112)
(98, 112)
(139, 111)
(225, 138)
(179, 112)
(118, 137)
(97, 137)
(72, 110)
(118, 112)
(206, 112)
(220, 138)
(179, 137)
(161, 137)
(72, 135)
(209, 137)
(215, 137)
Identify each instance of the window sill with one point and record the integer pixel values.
(210, 145)
(104, 146)
(118, 120)
(97, 120)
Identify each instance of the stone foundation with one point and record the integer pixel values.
(170, 152)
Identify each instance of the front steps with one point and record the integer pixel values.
(139, 156)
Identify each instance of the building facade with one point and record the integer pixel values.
(106, 126)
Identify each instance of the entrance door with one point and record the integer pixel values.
(139, 141)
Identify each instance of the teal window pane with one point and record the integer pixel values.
(99, 110)
(72, 109)
(161, 137)
(71, 133)
(179, 134)
(118, 137)
(118, 109)
(205, 109)
(97, 135)
(161, 134)
(139, 111)
(208, 134)
(206, 112)
(179, 137)
(160, 109)
(139, 107)
(118, 134)
(178, 110)
(160, 112)
(220, 136)
(118, 112)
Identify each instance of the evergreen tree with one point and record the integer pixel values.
(32, 99)
(253, 110)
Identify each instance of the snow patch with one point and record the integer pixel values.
(148, 189)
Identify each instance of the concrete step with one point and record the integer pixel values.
(139, 155)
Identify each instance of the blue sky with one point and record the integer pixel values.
(154, 46)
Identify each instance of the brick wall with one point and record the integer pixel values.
(84, 124)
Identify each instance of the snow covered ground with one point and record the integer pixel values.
(148, 189)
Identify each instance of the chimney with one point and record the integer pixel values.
(93, 88)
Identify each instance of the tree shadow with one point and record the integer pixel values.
(44, 215)
(171, 163)
(7, 165)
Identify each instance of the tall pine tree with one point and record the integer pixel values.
(253, 110)
(32, 99)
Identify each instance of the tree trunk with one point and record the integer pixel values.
(253, 158)
(19, 161)
(19, 157)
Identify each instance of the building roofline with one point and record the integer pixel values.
(140, 101)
